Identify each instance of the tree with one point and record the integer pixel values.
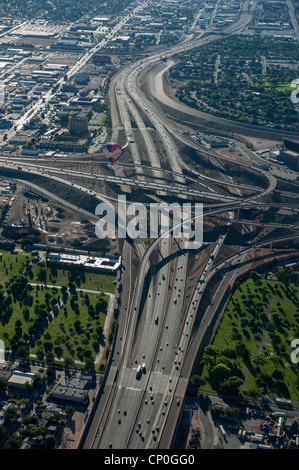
(252, 393)
(197, 381)
(218, 374)
(30, 420)
(11, 414)
(88, 364)
(69, 410)
(49, 442)
(231, 385)
(68, 362)
(37, 379)
(58, 351)
(3, 385)
(3, 432)
(26, 243)
(28, 387)
(63, 290)
(14, 442)
(77, 326)
(49, 357)
(22, 353)
(210, 355)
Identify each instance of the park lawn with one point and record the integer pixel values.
(282, 86)
(45, 275)
(82, 279)
(233, 327)
(38, 296)
(12, 264)
(282, 316)
(74, 341)
(286, 87)
(100, 282)
(270, 363)
(243, 322)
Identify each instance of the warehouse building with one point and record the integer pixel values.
(73, 390)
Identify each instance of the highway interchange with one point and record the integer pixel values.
(155, 326)
(143, 408)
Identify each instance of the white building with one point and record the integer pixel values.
(90, 262)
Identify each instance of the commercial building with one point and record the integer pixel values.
(68, 45)
(19, 379)
(102, 19)
(290, 158)
(108, 265)
(5, 124)
(44, 74)
(84, 27)
(64, 145)
(73, 390)
(78, 124)
(82, 78)
(101, 59)
(291, 144)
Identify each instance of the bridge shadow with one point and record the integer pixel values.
(153, 271)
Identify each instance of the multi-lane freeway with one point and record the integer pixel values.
(135, 411)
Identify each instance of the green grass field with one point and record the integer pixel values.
(255, 308)
(61, 277)
(282, 86)
(12, 264)
(76, 330)
(7, 324)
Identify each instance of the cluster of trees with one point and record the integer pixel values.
(288, 277)
(59, 10)
(33, 313)
(244, 322)
(227, 411)
(223, 373)
(241, 87)
(17, 290)
(78, 338)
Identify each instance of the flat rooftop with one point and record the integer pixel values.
(102, 264)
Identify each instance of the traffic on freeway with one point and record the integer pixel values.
(161, 322)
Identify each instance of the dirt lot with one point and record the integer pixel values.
(261, 144)
(34, 215)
